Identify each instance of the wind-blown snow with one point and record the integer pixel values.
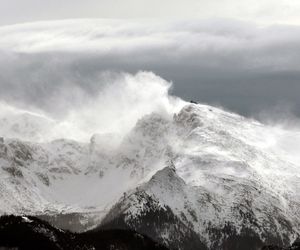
(122, 99)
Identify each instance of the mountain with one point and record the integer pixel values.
(23, 233)
(201, 178)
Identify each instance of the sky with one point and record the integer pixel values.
(240, 55)
(263, 11)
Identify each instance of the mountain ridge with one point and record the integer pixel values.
(211, 172)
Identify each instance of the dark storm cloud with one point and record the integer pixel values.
(233, 64)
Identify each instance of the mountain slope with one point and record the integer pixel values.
(200, 178)
(230, 189)
(144, 213)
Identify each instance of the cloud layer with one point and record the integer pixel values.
(263, 11)
(55, 66)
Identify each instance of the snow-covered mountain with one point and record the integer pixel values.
(199, 178)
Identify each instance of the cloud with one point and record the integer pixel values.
(238, 65)
(262, 11)
(120, 101)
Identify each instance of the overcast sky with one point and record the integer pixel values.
(263, 11)
(234, 64)
(242, 55)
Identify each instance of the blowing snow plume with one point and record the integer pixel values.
(116, 106)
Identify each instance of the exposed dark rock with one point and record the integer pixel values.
(14, 171)
(43, 178)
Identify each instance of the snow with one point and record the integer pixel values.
(26, 219)
(203, 162)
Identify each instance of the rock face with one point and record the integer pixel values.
(203, 178)
(32, 233)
